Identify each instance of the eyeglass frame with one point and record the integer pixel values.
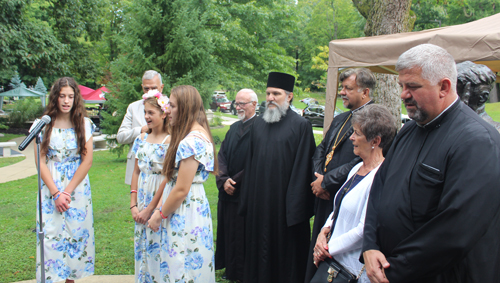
(240, 104)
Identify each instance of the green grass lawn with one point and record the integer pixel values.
(6, 161)
(114, 225)
(10, 160)
(493, 109)
(8, 137)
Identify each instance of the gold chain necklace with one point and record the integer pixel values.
(336, 142)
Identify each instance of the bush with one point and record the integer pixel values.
(217, 120)
(25, 110)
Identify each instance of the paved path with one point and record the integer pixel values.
(99, 279)
(21, 169)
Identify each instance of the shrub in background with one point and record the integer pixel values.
(25, 110)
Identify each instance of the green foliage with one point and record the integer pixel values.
(40, 87)
(216, 120)
(15, 82)
(323, 21)
(202, 43)
(435, 13)
(25, 110)
(27, 44)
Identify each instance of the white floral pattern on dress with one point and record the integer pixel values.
(69, 236)
(186, 236)
(147, 242)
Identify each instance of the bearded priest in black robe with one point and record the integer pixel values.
(276, 198)
(230, 253)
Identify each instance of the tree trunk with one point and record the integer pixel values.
(387, 17)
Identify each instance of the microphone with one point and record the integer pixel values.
(36, 130)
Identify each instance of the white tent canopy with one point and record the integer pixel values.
(477, 41)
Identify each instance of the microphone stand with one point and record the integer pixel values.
(41, 234)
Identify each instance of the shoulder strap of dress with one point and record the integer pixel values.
(165, 139)
(145, 136)
(199, 135)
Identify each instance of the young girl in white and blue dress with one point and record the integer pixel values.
(184, 217)
(65, 160)
(149, 149)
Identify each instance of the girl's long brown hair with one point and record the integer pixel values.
(77, 114)
(189, 110)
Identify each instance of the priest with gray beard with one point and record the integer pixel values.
(275, 196)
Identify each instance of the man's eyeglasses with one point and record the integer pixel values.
(241, 104)
(146, 89)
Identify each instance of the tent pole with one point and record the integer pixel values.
(331, 97)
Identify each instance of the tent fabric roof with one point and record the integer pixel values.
(21, 91)
(95, 96)
(477, 41)
(85, 90)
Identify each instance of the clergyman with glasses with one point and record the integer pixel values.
(231, 226)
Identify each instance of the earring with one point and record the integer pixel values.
(373, 147)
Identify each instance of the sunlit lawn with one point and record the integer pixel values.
(112, 220)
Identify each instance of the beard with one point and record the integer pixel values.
(273, 115)
(417, 114)
(241, 115)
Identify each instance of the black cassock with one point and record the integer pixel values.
(277, 201)
(434, 207)
(231, 226)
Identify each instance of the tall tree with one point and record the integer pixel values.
(203, 43)
(40, 86)
(15, 81)
(324, 20)
(27, 45)
(387, 17)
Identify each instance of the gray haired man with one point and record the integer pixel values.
(434, 208)
(134, 123)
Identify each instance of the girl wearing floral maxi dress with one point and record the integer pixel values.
(149, 149)
(186, 251)
(65, 160)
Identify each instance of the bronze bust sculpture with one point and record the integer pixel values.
(474, 84)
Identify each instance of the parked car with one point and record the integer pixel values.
(220, 102)
(296, 110)
(309, 100)
(315, 114)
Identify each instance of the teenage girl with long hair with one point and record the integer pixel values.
(65, 160)
(149, 149)
(186, 251)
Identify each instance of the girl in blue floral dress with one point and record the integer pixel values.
(184, 219)
(149, 149)
(65, 160)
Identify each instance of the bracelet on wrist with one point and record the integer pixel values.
(163, 216)
(66, 193)
(57, 197)
(133, 191)
(55, 193)
(135, 205)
